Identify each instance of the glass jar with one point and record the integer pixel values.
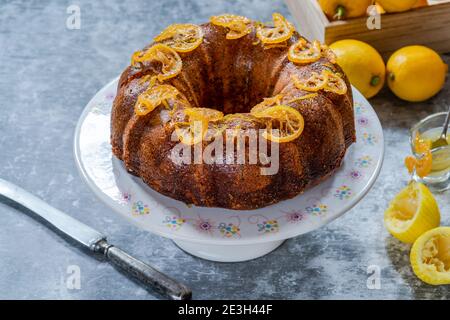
(438, 179)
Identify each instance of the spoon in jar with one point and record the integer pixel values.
(442, 141)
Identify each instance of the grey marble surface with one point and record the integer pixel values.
(47, 75)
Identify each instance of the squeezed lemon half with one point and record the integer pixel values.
(430, 256)
(411, 213)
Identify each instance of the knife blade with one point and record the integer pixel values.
(76, 230)
(96, 242)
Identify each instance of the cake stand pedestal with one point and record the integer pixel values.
(228, 253)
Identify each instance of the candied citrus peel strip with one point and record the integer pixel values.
(281, 31)
(303, 52)
(194, 130)
(283, 123)
(267, 103)
(181, 37)
(305, 97)
(314, 83)
(150, 99)
(238, 26)
(169, 59)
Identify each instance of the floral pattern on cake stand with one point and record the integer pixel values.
(221, 234)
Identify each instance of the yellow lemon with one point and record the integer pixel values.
(421, 3)
(430, 256)
(412, 212)
(362, 64)
(416, 73)
(343, 9)
(397, 5)
(379, 8)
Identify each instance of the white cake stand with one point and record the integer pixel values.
(221, 234)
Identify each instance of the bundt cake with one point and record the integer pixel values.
(228, 76)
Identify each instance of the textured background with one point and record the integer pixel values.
(47, 75)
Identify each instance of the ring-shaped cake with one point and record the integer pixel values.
(232, 75)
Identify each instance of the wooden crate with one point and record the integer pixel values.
(429, 26)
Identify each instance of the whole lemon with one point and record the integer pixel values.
(362, 64)
(421, 3)
(416, 73)
(343, 9)
(397, 5)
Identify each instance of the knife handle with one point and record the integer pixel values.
(144, 273)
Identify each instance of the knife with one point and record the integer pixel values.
(96, 242)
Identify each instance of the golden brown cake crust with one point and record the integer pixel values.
(233, 76)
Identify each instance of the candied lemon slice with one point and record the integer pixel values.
(171, 63)
(314, 83)
(303, 52)
(238, 26)
(430, 256)
(335, 83)
(328, 53)
(195, 128)
(181, 37)
(151, 98)
(281, 30)
(411, 213)
(283, 123)
(267, 103)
